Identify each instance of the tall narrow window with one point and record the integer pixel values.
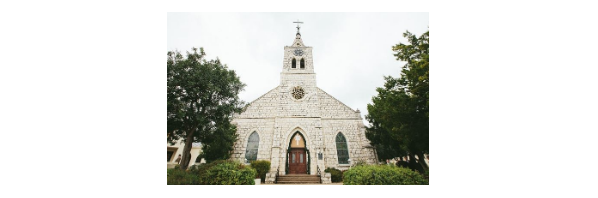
(341, 149)
(302, 64)
(252, 146)
(294, 63)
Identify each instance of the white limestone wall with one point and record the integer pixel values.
(276, 116)
(319, 118)
(265, 106)
(330, 107)
(304, 107)
(288, 58)
(357, 143)
(293, 79)
(245, 127)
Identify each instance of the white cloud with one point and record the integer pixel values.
(352, 51)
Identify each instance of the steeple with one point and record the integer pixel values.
(298, 23)
(298, 67)
(298, 42)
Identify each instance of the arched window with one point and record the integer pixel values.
(294, 62)
(302, 64)
(252, 145)
(341, 149)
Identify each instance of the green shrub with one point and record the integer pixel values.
(336, 174)
(222, 172)
(193, 169)
(382, 175)
(229, 173)
(261, 167)
(203, 168)
(360, 162)
(178, 176)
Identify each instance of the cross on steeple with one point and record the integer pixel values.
(298, 27)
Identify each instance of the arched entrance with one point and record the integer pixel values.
(297, 155)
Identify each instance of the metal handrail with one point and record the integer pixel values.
(319, 173)
(276, 179)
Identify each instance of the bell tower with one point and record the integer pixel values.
(298, 68)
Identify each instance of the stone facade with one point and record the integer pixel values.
(319, 117)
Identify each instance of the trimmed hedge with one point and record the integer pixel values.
(261, 167)
(219, 172)
(178, 176)
(336, 174)
(382, 175)
(203, 168)
(361, 162)
(230, 173)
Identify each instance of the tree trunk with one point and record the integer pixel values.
(411, 158)
(167, 135)
(187, 150)
(413, 165)
(422, 161)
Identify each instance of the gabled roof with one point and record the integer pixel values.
(327, 94)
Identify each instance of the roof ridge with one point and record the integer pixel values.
(262, 96)
(337, 99)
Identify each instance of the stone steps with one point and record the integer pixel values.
(297, 182)
(297, 175)
(298, 179)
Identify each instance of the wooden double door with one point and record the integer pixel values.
(297, 161)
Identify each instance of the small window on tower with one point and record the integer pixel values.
(302, 64)
(294, 63)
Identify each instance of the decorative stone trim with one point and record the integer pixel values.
(298, 92)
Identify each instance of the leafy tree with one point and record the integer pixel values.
(400, 112)
(380, 138)
(201, 97)
(218, 144)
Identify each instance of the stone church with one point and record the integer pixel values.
(299, 127)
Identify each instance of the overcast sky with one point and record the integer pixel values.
(351, 51)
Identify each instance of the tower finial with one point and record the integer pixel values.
(298, 27)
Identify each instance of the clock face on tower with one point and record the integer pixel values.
(298, 52)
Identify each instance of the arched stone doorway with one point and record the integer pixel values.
(297, 155)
